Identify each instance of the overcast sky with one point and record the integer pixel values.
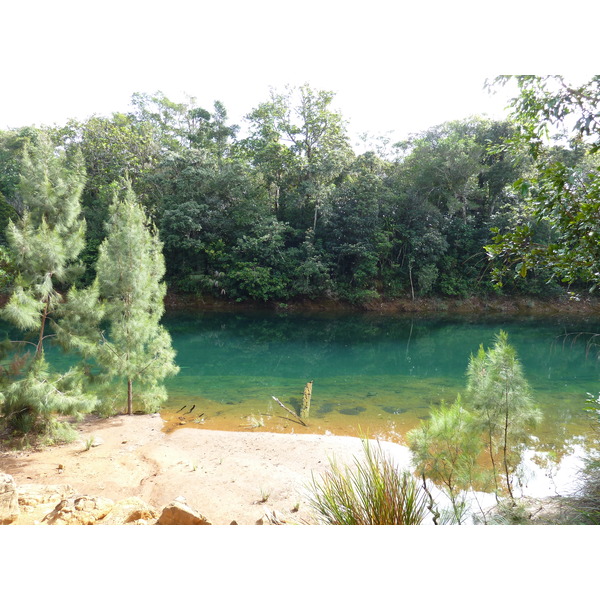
(394, 66)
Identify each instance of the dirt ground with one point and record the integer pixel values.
(226, 476)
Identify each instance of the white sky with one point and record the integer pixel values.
(394, 65)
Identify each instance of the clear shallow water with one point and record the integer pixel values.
(375, 375)
(372, 374)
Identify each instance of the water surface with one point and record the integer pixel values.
(372, 374)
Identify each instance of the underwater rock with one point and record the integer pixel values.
(326, 408)
(393, 410)
(355, 410)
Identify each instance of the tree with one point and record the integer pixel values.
(446, 450)
(112, 148)
(301, 146)
(352, 233)
(203, 210)
(129, 272)
(177, 125)
(45, 243)
(500, 397)
(559, 125)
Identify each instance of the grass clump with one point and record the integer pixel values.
(375, 492)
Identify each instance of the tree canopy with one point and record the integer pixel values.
(284, 208)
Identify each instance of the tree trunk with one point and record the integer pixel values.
(505, 454)
(129, 397)
(40, 344)
(306, 401)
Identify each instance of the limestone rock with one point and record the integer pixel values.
(130, 511)
(178, 513)
(34, 494)
(9, 500)
(79, 510)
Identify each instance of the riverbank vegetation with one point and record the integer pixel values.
(288, 210)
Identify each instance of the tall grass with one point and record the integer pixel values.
(375, 492)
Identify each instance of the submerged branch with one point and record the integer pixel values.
(290, 411)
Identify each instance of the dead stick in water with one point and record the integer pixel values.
(289, 410)
(306, 400)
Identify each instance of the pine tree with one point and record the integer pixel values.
(501, 399)
(44, 243)
(129, 271)
(445, 450)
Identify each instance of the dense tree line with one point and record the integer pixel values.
(289, 210)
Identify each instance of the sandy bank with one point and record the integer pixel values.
(226, 476)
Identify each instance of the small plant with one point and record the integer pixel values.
(509, 513)
(255, 422)
(264, 495)
(374, 493)
(89, 443)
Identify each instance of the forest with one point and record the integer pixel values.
(282, 208)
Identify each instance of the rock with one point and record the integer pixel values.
(9, 500)
(130, 511)
(34, 494)
(178, 513)
(79, 510)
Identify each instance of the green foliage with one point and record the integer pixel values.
(500, 398)
(415, 220)
(374, 493)
(44, 243)
(129, 272)
(29, 404)
(301, 146)
(562, 189)
(446, 449)
(449, 448)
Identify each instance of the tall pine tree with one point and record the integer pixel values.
(45, 243)
(130, 267)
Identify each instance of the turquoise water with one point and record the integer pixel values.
(372, 374)
(375, 374)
